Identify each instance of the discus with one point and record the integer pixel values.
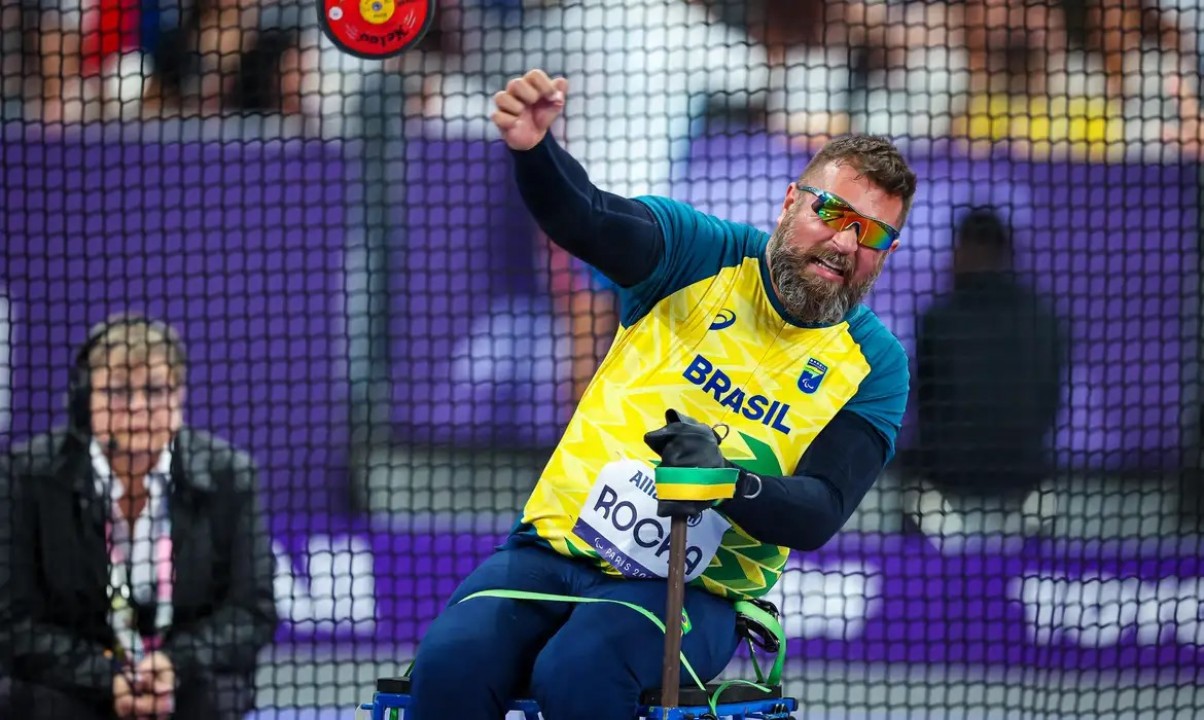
(375, 29)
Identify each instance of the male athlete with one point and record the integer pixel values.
(721, 325)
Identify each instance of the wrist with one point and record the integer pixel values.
(748, 486)
(176, 661)
(541, 145)
(748, 483)
(115, 665)
(695, 484)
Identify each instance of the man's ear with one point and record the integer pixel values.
(792, 196)
(177, 412)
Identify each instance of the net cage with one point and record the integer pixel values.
(382, 341)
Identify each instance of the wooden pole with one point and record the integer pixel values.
(671, 665)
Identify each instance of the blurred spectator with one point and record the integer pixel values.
(817, 53)
(1027, 86)
(277, 73)
(230, 56)
(643, 70)
(139, 573)
(152, 59)
(1148, 54)
(916, 78)
(1087, 76)
(52, 44)
(195, 57)
(261, 83)
(1011, 44)
(991, 358)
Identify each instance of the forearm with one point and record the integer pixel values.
(616, 235)
(54, 657)
(798, 512)
(244, 621)
(38, 652)
(805, 510)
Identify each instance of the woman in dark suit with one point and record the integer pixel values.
(135, 566)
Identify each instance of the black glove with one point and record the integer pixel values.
(685, 443)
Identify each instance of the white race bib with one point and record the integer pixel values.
(619, 521)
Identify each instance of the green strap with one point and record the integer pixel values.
(752, 655)
(713, 700)
(524, 595)
(742, 607)
(770, 623)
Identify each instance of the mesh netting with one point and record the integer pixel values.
(374, 319)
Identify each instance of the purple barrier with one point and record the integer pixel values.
(1114, 246)
(864, 598)
(239, 245)
(477, 355)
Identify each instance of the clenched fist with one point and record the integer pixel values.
(527, 108)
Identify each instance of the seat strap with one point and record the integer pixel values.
(770, 624)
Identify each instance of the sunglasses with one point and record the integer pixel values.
(840, 216)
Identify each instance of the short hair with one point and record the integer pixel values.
(984, 227)
(875, 158)
(133, 339)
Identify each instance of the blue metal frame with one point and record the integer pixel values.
(768, 709)
(384, 702)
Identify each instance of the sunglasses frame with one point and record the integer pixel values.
(823, 197)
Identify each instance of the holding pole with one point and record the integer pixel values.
(691, 478)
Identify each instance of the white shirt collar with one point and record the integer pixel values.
(105, 487)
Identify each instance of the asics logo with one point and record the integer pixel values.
(725, 319)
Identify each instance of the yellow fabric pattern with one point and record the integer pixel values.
(744, 373)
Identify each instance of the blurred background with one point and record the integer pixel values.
(372, 315)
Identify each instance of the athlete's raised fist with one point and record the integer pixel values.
(527, 107)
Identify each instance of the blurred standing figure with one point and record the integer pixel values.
(136, 575)
(990, 366)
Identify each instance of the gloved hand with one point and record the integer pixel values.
(693, 475)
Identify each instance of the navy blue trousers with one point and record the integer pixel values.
(577, 660)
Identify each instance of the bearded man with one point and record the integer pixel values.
(722, 325)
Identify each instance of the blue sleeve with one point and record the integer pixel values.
(805, 510)
(697, 246)
(614, 235)
(599, 281)
(882, 397)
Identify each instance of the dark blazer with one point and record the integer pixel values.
(54, 628)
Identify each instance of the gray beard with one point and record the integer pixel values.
(807, 297)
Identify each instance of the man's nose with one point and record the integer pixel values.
(138, 401)
(845, 241)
